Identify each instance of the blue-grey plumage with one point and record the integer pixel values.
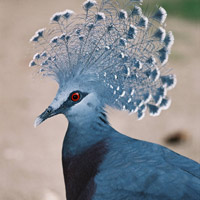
(112, 55)
(135, 169)
(100, 163)
(126, 168)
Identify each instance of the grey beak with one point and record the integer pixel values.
(45, 115)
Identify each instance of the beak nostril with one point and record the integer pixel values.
(49, 109)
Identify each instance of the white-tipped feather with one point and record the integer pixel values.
(165, 105)
(154, 110)
(160, 34)
(100, 16)
(160, 15)
(123, 94)
(143, 22)
(141, 115)
(137, 10)
(64, 14)
(169, 40)
(36, 56)
(67, 14)
(89, 4)
(123, 14)
(32, 63)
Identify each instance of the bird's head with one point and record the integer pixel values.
(103, 58)
(75, 102)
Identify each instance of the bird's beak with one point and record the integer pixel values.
(49, 112)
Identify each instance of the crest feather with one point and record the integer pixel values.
(118, 49)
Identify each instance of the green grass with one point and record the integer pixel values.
(188, 9)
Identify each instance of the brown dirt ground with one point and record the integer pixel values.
(30, 164)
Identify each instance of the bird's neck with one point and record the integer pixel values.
(83, 133)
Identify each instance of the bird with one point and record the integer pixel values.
(114, 55)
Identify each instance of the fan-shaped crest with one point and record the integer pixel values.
(115, 45)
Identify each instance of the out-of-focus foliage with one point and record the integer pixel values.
(189, 9)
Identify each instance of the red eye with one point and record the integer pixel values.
(75, 96)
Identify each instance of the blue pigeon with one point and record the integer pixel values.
(113, 54)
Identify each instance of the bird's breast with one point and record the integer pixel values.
(80, 170)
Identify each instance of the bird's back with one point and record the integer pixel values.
(134, 169)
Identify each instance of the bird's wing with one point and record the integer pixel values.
(181, 162)
(146, 171)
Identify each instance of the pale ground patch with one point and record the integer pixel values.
(30, 159)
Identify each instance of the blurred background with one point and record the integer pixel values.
(30, 159)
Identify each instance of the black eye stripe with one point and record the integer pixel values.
(69, 102)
